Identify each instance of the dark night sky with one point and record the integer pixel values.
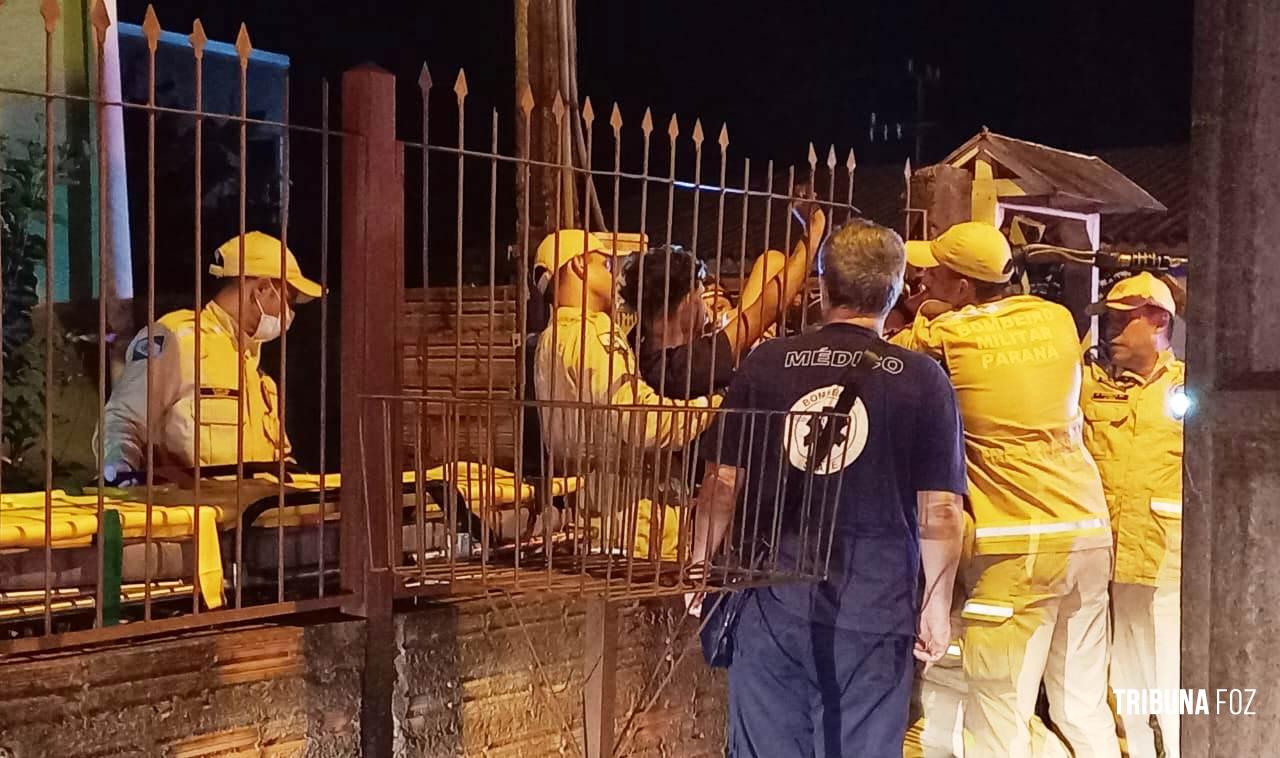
(1075, 74)
(1079, 74)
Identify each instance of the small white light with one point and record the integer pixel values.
(1179, 404)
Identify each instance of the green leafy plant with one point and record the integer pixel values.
(23, 232)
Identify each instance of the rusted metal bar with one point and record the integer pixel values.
(198, 41)
(786, 244)
(163, 109)
(596, 503)
(723, 143)
(282, 399)
(243, 50)
(638, 456)
(615, 125)
(557, 113)
(742, 252)
(485, 155)
(176, 624)
(424, 88)
(324, 325)
(49, 10)
(100, 36)
(151, 29)
(525, 102)
(850, 165)
(460, 90)
(493, 263)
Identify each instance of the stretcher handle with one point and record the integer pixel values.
(185, 476)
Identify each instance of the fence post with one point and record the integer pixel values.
(600, 670)
(371, 296)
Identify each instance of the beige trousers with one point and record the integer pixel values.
(937, 717)
(1042, 616)
(1145, 655)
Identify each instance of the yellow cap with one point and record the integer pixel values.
(558, 248)
(919, 254)
(262, 258)
(973, 249)
(1134, 292)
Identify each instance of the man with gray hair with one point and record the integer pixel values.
(825, 668)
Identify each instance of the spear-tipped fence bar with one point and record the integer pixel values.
(275, 550)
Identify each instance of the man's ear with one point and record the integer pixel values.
(579, 266)
(1163, 318)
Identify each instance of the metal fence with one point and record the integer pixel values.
(241, 539)
(186, 543)
(609, 519)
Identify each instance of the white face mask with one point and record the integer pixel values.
(269, 325)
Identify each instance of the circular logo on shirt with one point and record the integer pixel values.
(831, 443)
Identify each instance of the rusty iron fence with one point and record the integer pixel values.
(621, 526)
(183, 544)
(431, 495)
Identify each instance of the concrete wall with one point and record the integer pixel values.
(479, 679)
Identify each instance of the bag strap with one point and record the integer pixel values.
(850, 382)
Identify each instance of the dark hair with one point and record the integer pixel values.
(668, 274)
(862, 264)
(985, 291)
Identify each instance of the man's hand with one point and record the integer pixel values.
(931, 308)
(806, 204)
(693, 603)
(934, 635)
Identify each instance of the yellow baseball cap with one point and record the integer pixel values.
(262, 258)
(558, 248)
(973, 249)
(1134, 292)
(919, 254)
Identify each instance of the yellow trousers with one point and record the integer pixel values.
(1145, 655)
(1042, 616)
(937, 717)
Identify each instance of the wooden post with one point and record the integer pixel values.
(371, 295)
(537, 64)
(600, 668)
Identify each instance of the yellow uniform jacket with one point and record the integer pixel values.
(223, 406)
(1135, 435)
(588, 361)
(1015, 364)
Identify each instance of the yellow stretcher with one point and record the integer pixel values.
(74, 523)
(483, 488)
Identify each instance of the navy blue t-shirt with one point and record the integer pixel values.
(902, 436)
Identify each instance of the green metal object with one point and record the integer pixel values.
(112, 535)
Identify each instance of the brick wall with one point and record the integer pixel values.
(269, 691)
(478, 679)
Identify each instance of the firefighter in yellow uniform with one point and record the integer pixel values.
(1036, 606)
(233, 391)
(1133, 405)
(584, 366)
(939, 692)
